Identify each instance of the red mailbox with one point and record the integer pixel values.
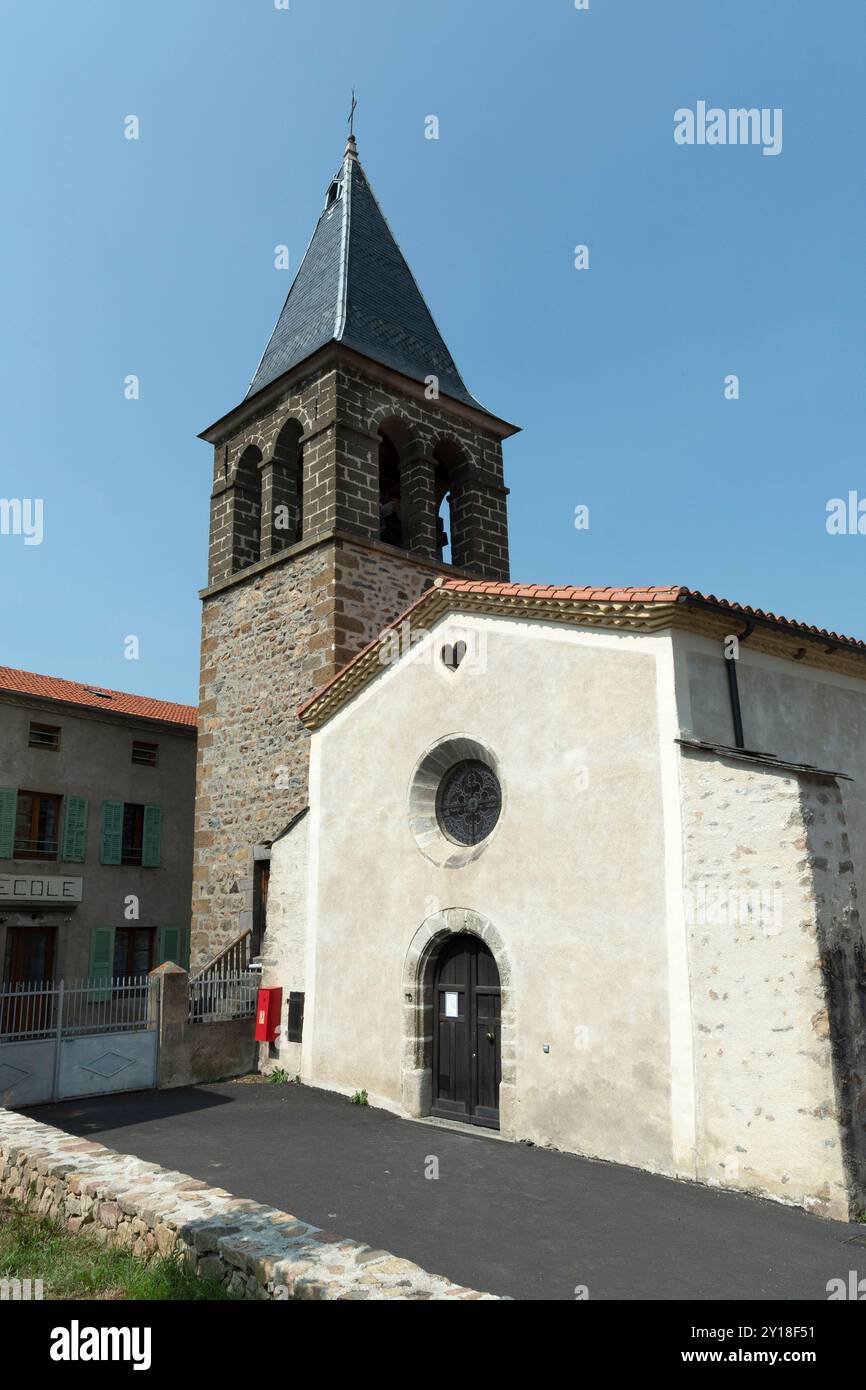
(268, 1011)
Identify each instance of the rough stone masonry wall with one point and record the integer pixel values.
(311, 404)
(339, 410)
(266, 645)
(372, 588)
(276, 631)
(256, 1252)
(776, 967)
(363, 404)
(268, 642)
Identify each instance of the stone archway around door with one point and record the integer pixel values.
(417, 990)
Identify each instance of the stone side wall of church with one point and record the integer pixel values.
(776, 964)
(797, 712)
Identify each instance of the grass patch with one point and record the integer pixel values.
(77, 1266)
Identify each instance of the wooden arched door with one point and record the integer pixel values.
(467, 1056)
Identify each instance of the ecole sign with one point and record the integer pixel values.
(35, 888)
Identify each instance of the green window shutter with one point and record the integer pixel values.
(150, 837)
(101, 959)
(74, 830)
(170, 946)
(111, 832)
(8, 807)
(185, 949)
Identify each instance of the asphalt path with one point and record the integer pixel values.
(508, 1218)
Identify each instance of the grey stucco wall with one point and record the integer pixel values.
(799, 713)
(94, 760)
(776, 955)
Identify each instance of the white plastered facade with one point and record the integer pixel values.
(633, 1029)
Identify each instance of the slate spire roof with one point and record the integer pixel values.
(355, 287)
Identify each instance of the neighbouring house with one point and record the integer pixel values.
(97, 795)
(577, 863)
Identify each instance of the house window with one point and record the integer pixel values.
(133, 951)
(29, 959)
(133, 834)
(145, 753)
(37, 826)
(44, 736)
(130, 834)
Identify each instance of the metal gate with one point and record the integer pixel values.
(60, 1040)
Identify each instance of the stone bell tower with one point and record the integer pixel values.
(357, 469)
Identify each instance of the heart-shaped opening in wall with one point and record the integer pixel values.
(452, 656)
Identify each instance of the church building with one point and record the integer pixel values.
(579, 864)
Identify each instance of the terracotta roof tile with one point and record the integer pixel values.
(762, 615)
(96, 697)
(671, 593)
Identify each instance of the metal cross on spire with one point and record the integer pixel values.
(352, 114)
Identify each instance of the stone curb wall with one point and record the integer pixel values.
(255, 1251)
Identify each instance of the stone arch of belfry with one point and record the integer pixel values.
(391, 413)
(419, 968)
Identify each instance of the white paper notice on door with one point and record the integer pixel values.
(451, 1007)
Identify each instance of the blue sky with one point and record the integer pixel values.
(155, 257)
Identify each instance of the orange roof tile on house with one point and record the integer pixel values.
(95, 697)
(356, 672)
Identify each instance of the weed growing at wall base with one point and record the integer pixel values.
(278, 1077)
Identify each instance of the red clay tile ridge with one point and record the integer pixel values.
(96, 697)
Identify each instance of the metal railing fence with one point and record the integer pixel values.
(223, 996)
(67, 1009)
(233, 959)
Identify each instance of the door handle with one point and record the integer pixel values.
(491, 1037)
